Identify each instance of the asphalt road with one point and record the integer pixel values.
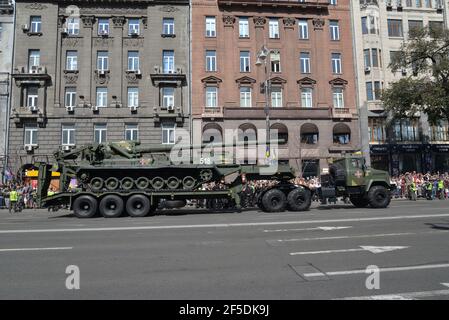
(320, 254)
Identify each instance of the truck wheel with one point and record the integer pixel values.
(274, 200)
(85, 206)
(359, 202)
(111, 206)
(379, 197)
(138, 206)
(299, 199)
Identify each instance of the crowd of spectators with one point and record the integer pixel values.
(17, 196)
(413, 185)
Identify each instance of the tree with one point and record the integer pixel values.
(426, 53)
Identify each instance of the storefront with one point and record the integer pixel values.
(31, 176)
(380, 156)
(440, 157)
(310, 168)
(406, 158)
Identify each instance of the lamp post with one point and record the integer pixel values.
(262, 57)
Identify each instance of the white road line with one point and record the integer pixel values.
(403, 295)
(35, 249)
(360, 271)
(228, 225)
(308, 229)
(371, 249)
(380, 235)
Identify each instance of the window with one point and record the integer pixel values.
(377, 130)
(338, 98)
(436, 25)
(408, 3)
(334, 30)
(102, 97)
(36, 24)
(131, 132)
(68, 135)
(439, 131)
(418, 3)
(133, 97)
(211, 97)
(168, 97)
(32, 96)
(276, 97)
(394, 55)
(275, 58)
(336, 62)
(168, 133)
(342, 138)
(100, 133)
(273, 27)
(244, 61)
(394, 28)
(34, 58)
(375, 58)
(30, 136)
(102, 60)
(309, 138)
(406, 130)
(211, 60)
(133, 27)
(369, 91)
(377, 90)
(168, 26)
(70, 97)
(243, 28)
(133, 61)
(210, 27)
(303, 29)
(367, 58)
(168, 61)
(73, 26)
(428, 3)
(373, 23)
(245, 97)
(333, 2)
(304, 62)
(72, 60)
(306, 98)
(103, 26)
(414, 25)
(364, 25)
(1, 30)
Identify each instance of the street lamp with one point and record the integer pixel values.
(262, 60)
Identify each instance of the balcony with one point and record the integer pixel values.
(341, 113)
(212, 112)
(6, 7)
(175, 76)
(278, 113)
(319, 4)
(375, 106)
(33, 75)
(171, 112)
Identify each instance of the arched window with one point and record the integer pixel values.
(309, 133)
(282, 133)
(341, 134)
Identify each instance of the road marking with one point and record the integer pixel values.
(228, 225)
(35, 249)
(380, 235)
(403, 295)
(371, 249)
(308, 229)
(392, 269)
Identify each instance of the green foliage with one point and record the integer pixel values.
(426, 53)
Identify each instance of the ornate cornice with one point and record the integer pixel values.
(259, 22)
(118, 21)
(88, 21)
(318, 23)
(228, 20)
(289, 23)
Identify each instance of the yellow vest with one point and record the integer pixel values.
(440, 184)
(13, 195)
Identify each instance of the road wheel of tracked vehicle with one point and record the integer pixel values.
(188, 182)
(359, 202)
(299, 199)
(111, 206)
(157, 183)
(112, 183)
(96, 184)
(206, 175)
(85, 206)
(138, 206)
(274, 200)
(143, 183)
(127, 183)
(379, 197)
(173, 183)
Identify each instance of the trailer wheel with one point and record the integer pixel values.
(111, 206)
(274, 200)
(138, 206)
(359, 202)
(379, 197)
(299, 199)
(85, 206)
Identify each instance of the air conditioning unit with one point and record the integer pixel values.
(170, 107)
(65, 31)
(404, 71)
(94, 108)
(70, 108)
(28, 148)
(179, 70)
(34, 69)
(102, 72)
(138, 71)
(34, 108)
(25, 27)
(367, 69)
(66, 148)
(134, 32)
(104, 32)
(133, 108)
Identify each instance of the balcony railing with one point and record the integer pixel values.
(277, 3)
(281, 113)
(212, 112)
(341, 113)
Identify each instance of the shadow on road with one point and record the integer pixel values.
(438, 226)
